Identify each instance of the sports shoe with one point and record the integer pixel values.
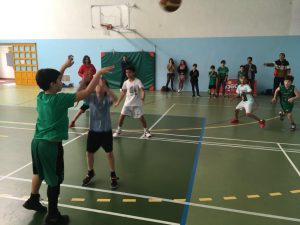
(281, 115)
(33, 203)
(57, 219)
(147, 134)
(88, 178)
(117, 133)
(234, 121)
(293, 127)
(72, 124)
(262, 123)
(114, 183)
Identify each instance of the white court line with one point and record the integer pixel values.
(19, 169)
(173, 201)
(159, 119)
(23, 128)
(103, 212)
(289, 159)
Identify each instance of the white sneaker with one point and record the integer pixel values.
(147, 134)
(120, 89)
(117, 133)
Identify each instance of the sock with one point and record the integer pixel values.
(91, 172)
(145, 129)
(113, 174)
(118, 128)
(53, 193)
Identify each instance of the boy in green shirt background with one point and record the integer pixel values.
(222, 77)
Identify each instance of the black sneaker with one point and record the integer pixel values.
(293, 127)
(58, 219)
(34, 204)
(114, 183)
(88, 179)
(281, 115)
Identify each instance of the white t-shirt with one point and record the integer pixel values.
(133, 93)
(245, 88)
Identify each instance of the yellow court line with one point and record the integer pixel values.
(179, 199)
(3, 136)
(129, 200)
(154, 200)
(103, 200)
(253, 196)
(77, 199)
(205, 199)
(295, 191)
(230, 198)
(274, 194)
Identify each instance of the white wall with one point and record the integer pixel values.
(5, 71)
(48, 19)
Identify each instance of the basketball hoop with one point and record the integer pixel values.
(107, 28)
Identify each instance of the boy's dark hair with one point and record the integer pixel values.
(195, 65)
(282, 53)
(250, 58)
(223, 61)
(289, 77)
(212, 67)
(131, 68)
(86, 57)
(44, 77)
(242, 66)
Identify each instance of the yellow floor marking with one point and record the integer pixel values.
(253, 196)
(129, 200)
(3, 136)
(230, 198)
(103, 200)
(273, 194)
(179, 199)
(154, 200)
(295, 191)
(77, 199)
(205, 199)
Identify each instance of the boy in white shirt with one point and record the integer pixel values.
(245, 92)
(133, 102)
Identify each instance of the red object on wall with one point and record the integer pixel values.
(232, 85)
(102, 54)
(152, 54)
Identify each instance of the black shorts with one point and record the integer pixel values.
(96, 140)
(84, 107)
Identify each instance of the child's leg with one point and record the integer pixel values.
(251, 115)
(193, 88)
(197, 88)
(236, 114)
(223, 86)
(290, 117)
(111, 161)
(172, 82)
(168, 80)
(90, 160)
(121, 120)
(35, 184)
(143, 121)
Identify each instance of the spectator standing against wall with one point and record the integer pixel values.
(124, 64)
(182, 70)
(282, 69)
(250, 70)
(170, 74)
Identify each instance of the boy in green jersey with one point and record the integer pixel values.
(51, 129)
(287, 94)
(222, 77)
(212, 74)
(242, 73)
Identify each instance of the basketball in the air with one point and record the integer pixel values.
(170, 5)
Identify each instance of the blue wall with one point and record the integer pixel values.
(203, 51)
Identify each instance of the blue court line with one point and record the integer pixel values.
(192, 178)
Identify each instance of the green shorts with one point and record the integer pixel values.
(287, 107)
(48, 161)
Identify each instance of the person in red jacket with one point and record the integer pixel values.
(86, 72)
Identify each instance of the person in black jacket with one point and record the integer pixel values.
(250, 70)
(194, 74)
(124, 64)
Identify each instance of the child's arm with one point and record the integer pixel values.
(92, 85)
(296, 96)
(142, 94)
(274, 99)
(123, 93)
(66, 65)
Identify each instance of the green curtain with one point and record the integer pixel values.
(143, 62)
